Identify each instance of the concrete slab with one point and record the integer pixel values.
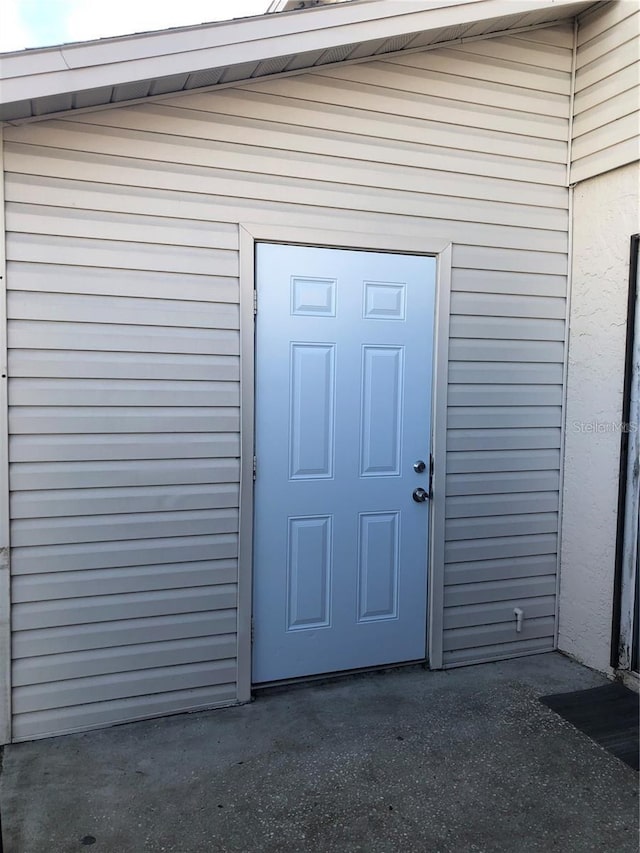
(466, 760)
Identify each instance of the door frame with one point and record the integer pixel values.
(441, 249)
(624, 629)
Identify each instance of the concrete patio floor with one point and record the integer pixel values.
(393, 762)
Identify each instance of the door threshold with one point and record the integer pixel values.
(332, 677)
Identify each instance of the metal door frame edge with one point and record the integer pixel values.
(441, 249)
(624, 619)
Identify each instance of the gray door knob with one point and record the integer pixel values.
(420, 495)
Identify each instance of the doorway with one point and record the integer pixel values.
(344, 365)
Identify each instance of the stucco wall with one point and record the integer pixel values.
(605, 216)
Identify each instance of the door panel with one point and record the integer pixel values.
(344, 344)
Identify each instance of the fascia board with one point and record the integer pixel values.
(115, 62)
(222, 34)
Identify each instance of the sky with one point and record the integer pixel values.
(39, 23)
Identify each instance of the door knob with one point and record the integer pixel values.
(419, 466)
(420, 495)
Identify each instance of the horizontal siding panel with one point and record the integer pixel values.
(313, 87)
(101, 281)
(52, 420)
(467, 462)
(502, 305)
(134, 526)
(609, 39)
(518, 284)
(621, 84)
(474, 506)
(504, 547)
(115, 473)
(407, 76)
(124, 632)
(76, 364)
(508, 53)
(379, 125)
(111, 608)
(235, 185)
(122, 227)
(606, 160)
(626, 54)
(501, 651)
(602, 17)
(97, 714)
(401, 222)
(84, 447)
(503, 439)
(128, 579)
(503, 482)
(492, 634)
(507, 328)
(465, 349)
(493, 612)
(122, 685)
(511, 373)
(106, 337)
(503, 417)
(468, 257)
(487, 527)
(121, 310)
(121, 392)
(606, 120)
(232, 161)
(485, 592)
(548, 55)
(618, 106)
(53, 668)
(74, 502)
(484, 571)
(611, 134)
(347, 139)
(505, 395)
(558, 36)
(112, 554)
(45, 249)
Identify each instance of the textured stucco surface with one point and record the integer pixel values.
(605, 217)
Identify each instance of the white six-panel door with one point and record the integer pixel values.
(344, 343)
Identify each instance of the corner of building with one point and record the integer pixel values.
(5, 632)
(605, 215)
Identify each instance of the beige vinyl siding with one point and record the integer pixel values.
(606, 121)
(124, 317)
(124, 424)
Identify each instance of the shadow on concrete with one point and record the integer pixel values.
(393, 762)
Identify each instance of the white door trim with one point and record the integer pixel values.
(435, 596)
(250, 233)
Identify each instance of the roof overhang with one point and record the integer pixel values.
(37, 83)
(296, 5)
